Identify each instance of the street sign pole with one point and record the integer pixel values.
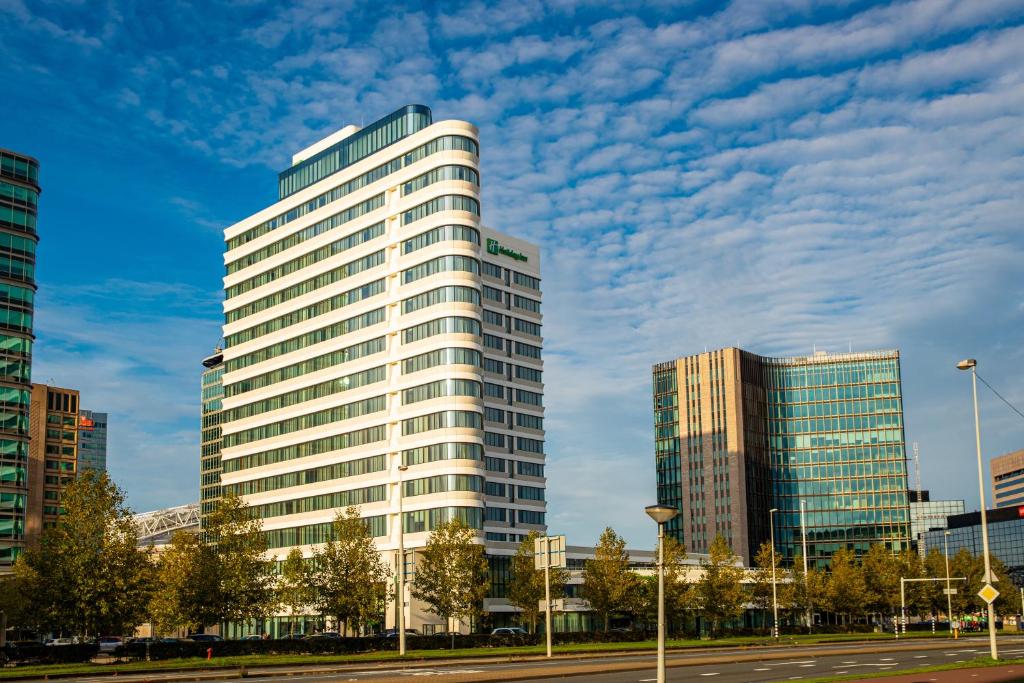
(543, 560)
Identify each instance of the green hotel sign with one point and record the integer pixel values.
(493, 247)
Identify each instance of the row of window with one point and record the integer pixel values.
(18, 194)
(445, 419)
(298, 263)
(313, 534)
(18, 245)
(327, 360)
(464, 173)
(524, 469)
(428, 520)
(448, 202)
(315, 391)
(320, 418)
(441, 264)
(439, 388)
(307, 312)
(340, 470)
(495, 514)
(449, 325)
(332, 331)
(443, 483)
(308, 233)
(18, 218)
(449, 356)
(311, 285)
(16, 268)
(326, 501)
(447, 294)
(442, 451)
(359, 437)
(442, 233)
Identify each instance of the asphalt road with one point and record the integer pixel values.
(755, 666)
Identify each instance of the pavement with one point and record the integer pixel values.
(734, 665)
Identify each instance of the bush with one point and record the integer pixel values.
(50, 654)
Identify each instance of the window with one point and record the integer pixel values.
(526, 304)
(328, 388)
(494, 390)
(528, 350)
(529, 421)
(494, 294)
(495, 488)
(529, 445)
(428, 520)
(531, 493)
(313, 534)
(445, 419)
(494, 415)
(327, 501)
(451, 293)
(530, 517)
(442, 233)
(318, 419)
(529, 469)
(493, 318)
(464, 173)
(448, 202)
(450, 356)
(527, 327)
(442, 484)
(442, 451)
(492, 270)
(337, 442)
(530, 397)
(494, 342)
(493, 464)
(441, 264)
(524, 280)
(441, 387)
(495, 514)
(529, 374)
(328, 360)
(495, 366)
(449, 325)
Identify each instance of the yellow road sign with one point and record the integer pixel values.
(988, 593)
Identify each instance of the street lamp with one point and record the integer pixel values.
(661, 514)
(400, 598)
(775, 597)
(972, 365)
(949, 593)
(807, 588)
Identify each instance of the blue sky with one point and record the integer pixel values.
(776, 174)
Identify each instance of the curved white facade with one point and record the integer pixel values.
(356, 335)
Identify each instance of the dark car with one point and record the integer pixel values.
(393, 633)
(293, 636)
(205, 638)
(325, 635)
(509, 631)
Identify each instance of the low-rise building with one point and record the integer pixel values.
(1008, 479)
(1005, 536)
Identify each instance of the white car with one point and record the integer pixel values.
(110, 643)
(61, 641)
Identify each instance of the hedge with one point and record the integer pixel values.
(25, 653)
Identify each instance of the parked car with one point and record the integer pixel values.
(140, 641)
(393, 632)
(110, 643)
(252, 636)
(205, 638)
(509, 631)
(61, 641)
(324, 635)
(293, 636)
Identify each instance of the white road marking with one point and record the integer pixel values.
(885, 659)
(805, 666)
(711, 674)
(762, 669)
(920, 656)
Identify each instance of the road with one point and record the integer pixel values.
(720, 666)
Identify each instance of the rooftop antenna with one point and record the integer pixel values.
(917, 470)
(851, 346)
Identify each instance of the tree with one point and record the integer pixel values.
(846, 587)
(187, 586)
(526, 585)
(808, 590)
(762, 592)
(963, 563)
(607, 582)
(87, 574)
(350, 580)
(882, 571)
(452, 574)
(934, 597)
(719, 594)
(293, 585)
(246, 576)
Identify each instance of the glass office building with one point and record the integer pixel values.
(92, 441)
(818, 438)
(19, 199)
(212, 395)
(1005, 538)
(929, 514)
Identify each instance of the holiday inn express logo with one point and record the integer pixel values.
(493, 247)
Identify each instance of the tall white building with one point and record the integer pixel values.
(372, 322)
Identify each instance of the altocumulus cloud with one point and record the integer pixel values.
(769, 174)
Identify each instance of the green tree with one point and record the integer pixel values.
(846, 589)
(187, 586)
(294, 591)
(608, 584)
(762, 595)
(350, 580)
(933, 595)
(963, 563)
(87, 574)
(719, 593)
(882, 571)
(526, 584)
(916, 593)
(1008, 601)
(246, 575)
(808, 591)
(452, 574)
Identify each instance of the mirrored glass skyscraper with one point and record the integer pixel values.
(819, 439)
(19, 198)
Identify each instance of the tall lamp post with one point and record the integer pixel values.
(972, 365)
(807, 588)
(400, 598)
(775, 597)
(949, 593)
(661, 514)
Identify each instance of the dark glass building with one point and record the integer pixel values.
(737, 435)
(19, 199)
(1005, 538)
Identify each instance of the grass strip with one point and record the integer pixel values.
(979, 663)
